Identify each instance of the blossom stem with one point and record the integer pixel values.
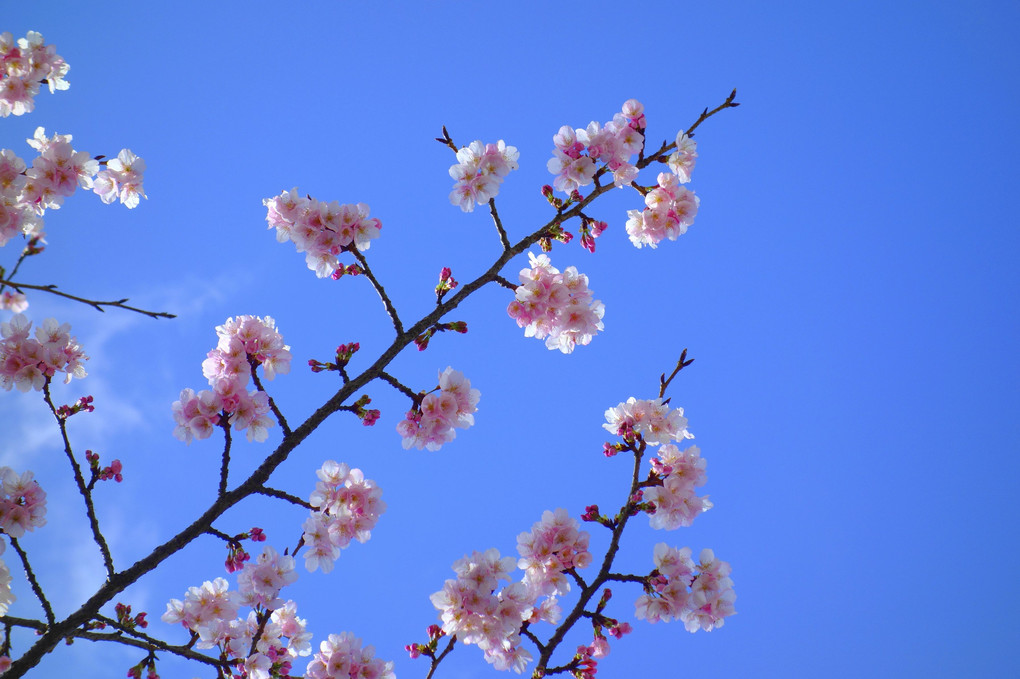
(272, 404)
(503, 240)
(390, 309)
(79, 479)
(224, 424)
(439, 658)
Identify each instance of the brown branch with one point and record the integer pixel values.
(283, 495)
(32, 580)
(272, 404)
(390, 309)
(143, 641)
(503, 240)
(95, 304)
(79, 479)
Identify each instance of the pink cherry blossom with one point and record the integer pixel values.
(553, 546)
(653, 420)
(28, 363)
(670, 209)
(554, 306)
(244, 343)
(22, 503)
(347, 507)
(683, 159)
(260, 582)
(479, 171)
(341, 656)
(321, 230)
(578, 153)
(23, 66)
(122, 179)
(432, 424)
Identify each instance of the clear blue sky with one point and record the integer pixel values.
(849, 292)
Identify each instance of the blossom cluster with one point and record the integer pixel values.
(450, 407)
(24, 65)
(319, 229)
(479, 171)
(13, 301)
(211, 611)
(6, 594)
(653, 420)
(347, 508)
(22, 508)
(56, 173)
(700, 594)
(675, 502)
(553, 546)
(613, 144)
(341, 656)
(244, 343)
(669, 210)
(28, 363)
(554, 306)
(682, 161)
(22, 503)
(470, 607)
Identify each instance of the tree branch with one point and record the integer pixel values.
(95, 304)
(390, 309)
(79, 479)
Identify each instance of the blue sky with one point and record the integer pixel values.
(849, 293)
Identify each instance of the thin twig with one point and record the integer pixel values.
(143, 641)
(680, 365)
(390, 309)
(32, 581)
(284, 495)
(503, 240)
(83, 489)
(396, 384)
(438, 659)
(95, 304)
(272, 404)
(505, 283)
(224, 424)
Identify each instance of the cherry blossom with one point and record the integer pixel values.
(341, 656)
(554, 306)
(6, 595)
(682, 161)
(13, 301)
(479, 171)
(24, 65)
(652, 419)
(260, 582)
(122, 179)
(243, 343)
(451, 407)
(471, 608)
(347, 507)
(28, 363)
(669, 210)
(577, 153)
(553, 546)
(700, 594)
(319, 229)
